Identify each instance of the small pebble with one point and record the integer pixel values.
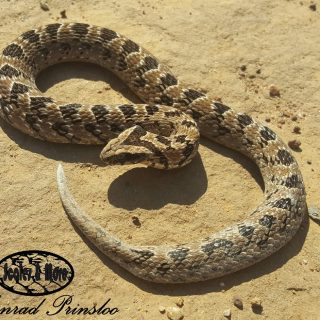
(136, 221)
(180, 302)
(63, 14)
(258, 71)
(222, 284)
(227, 313)
(44, 6)
(294, 118)
(238, 302)
(309, 162)
(282, 121)
(268, 120)
(297, 129)
(294, 144)
(243, 68)
(313, 7)
(162, 309)
(174, 313)
(274, 91)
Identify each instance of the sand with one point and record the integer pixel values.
(232, 49)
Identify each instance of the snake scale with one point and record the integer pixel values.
(162, 133)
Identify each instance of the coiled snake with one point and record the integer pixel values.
(162, 133)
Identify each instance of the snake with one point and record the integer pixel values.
(162, 132)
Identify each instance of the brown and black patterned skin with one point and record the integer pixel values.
(162, 133)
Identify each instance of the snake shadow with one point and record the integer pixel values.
(152, 189)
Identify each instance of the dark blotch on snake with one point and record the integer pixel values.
(179, 254)
(166, 100)
(52, 29)
(292, 181)
(13, 50)
(220, 108)
(127, 110)
(163, 140)
(39, 106)
(151, 110)
(91, 128)
(130, 47)
(107, 34)
(266, 221)
(61, 127)
(210, 247)
(188, 123)
(39, 102)
(150, 63)
(139, 82)
(31, 36)
(100, 112)
(169, 80)
(284, 203)
(69, 110)
(244, 119)
(9, 71)
(285, 157)
(267, 134)
(80, 29)
(19, 88)
(181, 138)
(192, 94)
(170, 114)
(246, 231)
(196, 114)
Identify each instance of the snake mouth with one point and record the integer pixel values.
(125, 158)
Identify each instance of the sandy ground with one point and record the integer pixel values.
(205, 43)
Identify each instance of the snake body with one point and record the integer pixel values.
(162, 133)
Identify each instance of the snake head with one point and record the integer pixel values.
(127, 148)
